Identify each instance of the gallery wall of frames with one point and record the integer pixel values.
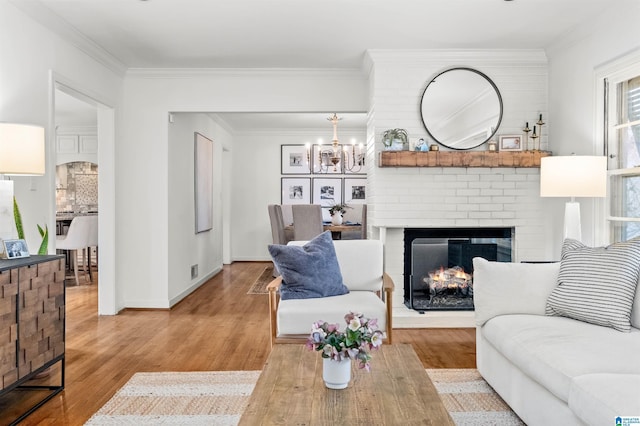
(309, 175)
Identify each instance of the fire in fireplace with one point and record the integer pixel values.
(439, 264)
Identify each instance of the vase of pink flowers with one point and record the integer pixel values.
(339, 348)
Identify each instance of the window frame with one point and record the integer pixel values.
(607, 79)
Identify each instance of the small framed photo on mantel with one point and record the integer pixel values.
(510, 143)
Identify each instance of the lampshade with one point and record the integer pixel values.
(573, 176)
(21, 149)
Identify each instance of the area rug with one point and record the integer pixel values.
(220, 397)
(470, 400)
(260, 285)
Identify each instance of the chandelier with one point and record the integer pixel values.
(334, 158)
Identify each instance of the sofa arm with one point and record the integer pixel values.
(501, 288)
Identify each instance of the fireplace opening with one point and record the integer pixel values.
(438, 264)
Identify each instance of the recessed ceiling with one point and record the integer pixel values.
(305, 33)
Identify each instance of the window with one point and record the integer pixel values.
(622, 122)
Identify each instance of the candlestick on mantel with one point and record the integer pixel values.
(540, 123)
(526, 131)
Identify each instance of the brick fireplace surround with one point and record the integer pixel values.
(447, 197)
(436, 197)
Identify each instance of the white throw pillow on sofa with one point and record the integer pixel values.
(597, 284)
(501, 288)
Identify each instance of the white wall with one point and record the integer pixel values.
(144, 160)
(30, 52)
(187, 248)
(572, 95)
(256, 183)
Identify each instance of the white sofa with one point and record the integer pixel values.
(551, 370)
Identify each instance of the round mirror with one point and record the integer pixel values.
(461, 108)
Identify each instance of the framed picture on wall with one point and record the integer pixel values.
(354, 157)
(321, 160)
(203, 180)
(296, 191)
(355, 191)
(327, 191)
(294, 160)
(510, 143)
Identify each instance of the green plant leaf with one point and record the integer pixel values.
(44, 245)
(18, 219)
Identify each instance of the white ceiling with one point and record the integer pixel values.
(305, 33)
(301, 33)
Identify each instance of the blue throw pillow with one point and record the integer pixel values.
(310, 270)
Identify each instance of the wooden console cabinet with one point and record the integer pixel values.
(32, 322)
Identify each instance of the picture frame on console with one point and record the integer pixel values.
(14, 249)
(510, 143)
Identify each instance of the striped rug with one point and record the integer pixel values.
(220, 397)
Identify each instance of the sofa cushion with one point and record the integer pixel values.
(296, 316)
(597, 284)
(597, 399)
(511, 288)
(308, 271)
(554, 350)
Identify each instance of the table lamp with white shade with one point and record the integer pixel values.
(573, 176)
(22, 153)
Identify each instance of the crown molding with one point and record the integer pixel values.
(286, 73)
(431, 56)
(51, 21)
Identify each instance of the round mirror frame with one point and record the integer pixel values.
(493, 85)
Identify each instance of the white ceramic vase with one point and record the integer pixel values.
(336, 374)
(336, 219)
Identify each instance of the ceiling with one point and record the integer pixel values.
(301, 33)
(305, 33)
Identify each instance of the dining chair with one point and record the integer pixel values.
(307, 221)
(278, 234)
(82, 234)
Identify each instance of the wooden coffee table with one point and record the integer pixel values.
(397, 391)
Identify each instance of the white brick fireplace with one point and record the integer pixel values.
(441, 197)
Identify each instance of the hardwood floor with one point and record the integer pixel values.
(218, 327)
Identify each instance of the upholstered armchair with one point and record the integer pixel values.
(369, 292)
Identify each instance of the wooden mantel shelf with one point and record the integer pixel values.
(461, 158)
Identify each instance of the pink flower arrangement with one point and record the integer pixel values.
(356, 342)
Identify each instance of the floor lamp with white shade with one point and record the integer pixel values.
(22, 153)
(573, 176)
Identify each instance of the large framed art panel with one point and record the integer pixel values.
(203, 182)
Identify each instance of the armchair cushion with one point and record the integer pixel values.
(295, 317)
(309, 271)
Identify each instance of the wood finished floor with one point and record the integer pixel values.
(218, 327)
